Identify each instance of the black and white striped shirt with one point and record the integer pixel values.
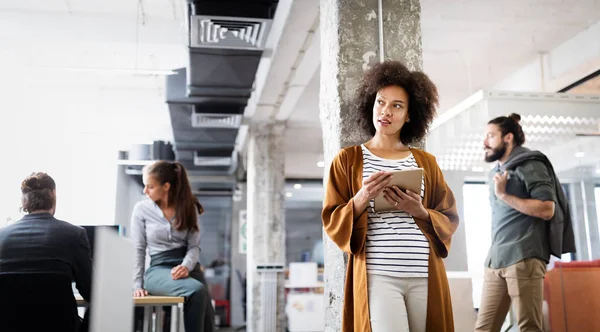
(395, 244)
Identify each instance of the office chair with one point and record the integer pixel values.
(32, 302)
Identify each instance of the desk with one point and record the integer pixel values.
(154, 303)
(304, 306)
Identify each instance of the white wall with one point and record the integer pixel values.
(70, 123)
(73, 132)
(457, 257)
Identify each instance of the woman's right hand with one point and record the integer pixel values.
(140, 292)
(371, 188)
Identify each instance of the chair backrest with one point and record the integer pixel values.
(37, 302)
(577, 264)
(573, 298)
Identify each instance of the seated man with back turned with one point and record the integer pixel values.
(43, 245)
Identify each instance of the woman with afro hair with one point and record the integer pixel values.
(396, 279)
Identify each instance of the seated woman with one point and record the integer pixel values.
(42, 245)
(167, 225)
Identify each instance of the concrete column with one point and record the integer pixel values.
(350, 44)
(266, 222)
(238, 259)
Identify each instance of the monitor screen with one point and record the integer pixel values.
(91, 233)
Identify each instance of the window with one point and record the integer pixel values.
(71, 125)
(597, 196)
(83, 166)
(478, 229)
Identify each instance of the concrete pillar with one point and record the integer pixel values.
(350, 44)
(238, 258)
(266, 224)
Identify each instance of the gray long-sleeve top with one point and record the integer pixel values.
(150, 229)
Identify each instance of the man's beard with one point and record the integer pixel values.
(497, 153)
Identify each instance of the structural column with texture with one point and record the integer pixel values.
(266, 227)
(350, 44)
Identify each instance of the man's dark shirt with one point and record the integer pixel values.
(515, 235)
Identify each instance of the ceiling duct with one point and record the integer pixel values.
(213, 158)
(207, 120)
(228, 32)
(227, 74)
(207, 98)
(212, 161)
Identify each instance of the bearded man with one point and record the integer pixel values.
(530, 221)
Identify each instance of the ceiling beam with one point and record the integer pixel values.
(293, 21)
(302, 74)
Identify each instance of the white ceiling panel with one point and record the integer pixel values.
(171, 9)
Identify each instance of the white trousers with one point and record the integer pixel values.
(397, 304)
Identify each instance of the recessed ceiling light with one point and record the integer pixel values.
(297, 186)
(321, 164)
(288, 195)
(597, 170)
(579, 154)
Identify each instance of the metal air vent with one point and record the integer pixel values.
(228, 32)
(207, 120)
(209, 161)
